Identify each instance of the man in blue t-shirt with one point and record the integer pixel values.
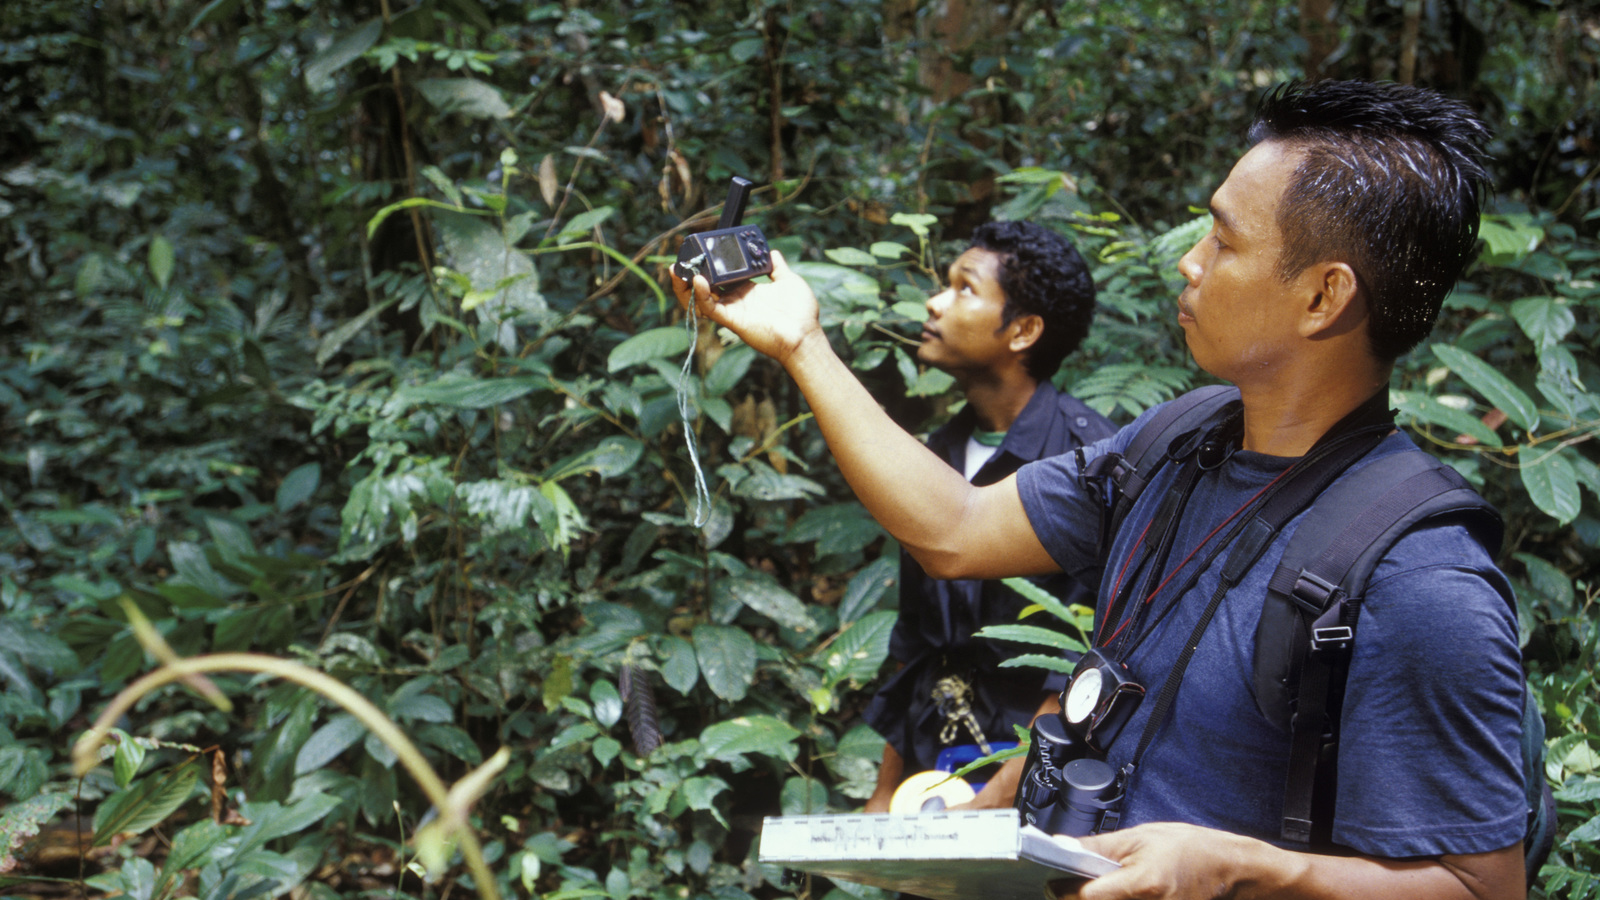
(1334, 240)
(1020, 300)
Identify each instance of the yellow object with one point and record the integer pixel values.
(930, 791)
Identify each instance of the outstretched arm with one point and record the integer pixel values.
(952, 528)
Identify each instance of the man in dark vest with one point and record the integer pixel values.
(1334, 241)
(1020, 299)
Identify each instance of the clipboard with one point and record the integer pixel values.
(963, 855)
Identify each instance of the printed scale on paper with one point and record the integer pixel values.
(943, 856)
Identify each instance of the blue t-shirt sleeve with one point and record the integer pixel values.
(1064, 516)
(1429, 753)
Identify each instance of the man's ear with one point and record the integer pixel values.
(1025, 332)
(1336, 303)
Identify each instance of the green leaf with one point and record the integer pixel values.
(850, 256)
(190, 849)
(746, 49)
(729, 368)
(580, 225)
(345, 49)
(20, 821)
(764, 735)
(1426, 409)
(161, 260)
(334, 340)
(766, 484)
(803, 796)
(1040, 661)
(339, 734)
(678, 666)
(298, 486)
(126, 761)
(867, 587)
(700, 791)
(607, 703)
(1545, 320)
(727, 659)
(460, 391)
(764, 595)
(656, 343)
(1548, 581)
(467, 96)
(453, 741)
(1031, 634)
(860, 649)
(1493, 386)
(145, 803)
(615, 455)
(919, 223)
(1552, 484)
(890, 250)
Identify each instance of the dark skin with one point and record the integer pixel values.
(964, 337)
(1298, 351)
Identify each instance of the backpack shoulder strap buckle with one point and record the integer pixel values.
(1314, 594)
(1330, 633)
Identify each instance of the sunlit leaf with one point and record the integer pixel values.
(763, 735)
(1491, 384)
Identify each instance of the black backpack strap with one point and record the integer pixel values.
(1313, 600)
(1119, 478)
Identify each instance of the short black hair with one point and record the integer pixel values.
(1042, 275)
(1390, 180)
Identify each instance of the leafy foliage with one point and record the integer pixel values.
(338, 331)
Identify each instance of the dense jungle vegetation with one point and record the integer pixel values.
(336, 342)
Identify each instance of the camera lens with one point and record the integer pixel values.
(1088, 789)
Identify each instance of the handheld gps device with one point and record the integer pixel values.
(731, 253)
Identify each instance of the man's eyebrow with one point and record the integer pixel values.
(1220, 217)
(972, 272)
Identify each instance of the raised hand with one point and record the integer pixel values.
(774, 317)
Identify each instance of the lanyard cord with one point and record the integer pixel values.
(702, 495)
(1351, 439)
(1139, 612)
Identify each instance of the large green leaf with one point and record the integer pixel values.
(145, 803)
(20, 821)
(191, 848)
(763, 735)
(860, 649)
(764, 595)
(656, 343)
(679, 669)
(467, 96)
(1031, 634)
(1493, 386)
(1430, 411)
(1552, 484)
(339, 734)
(766, 484)
(727, 659)
(867, 587)
(1545, 320)
(461, 391)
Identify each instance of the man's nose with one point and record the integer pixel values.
(936, 304)
(1189, 265)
